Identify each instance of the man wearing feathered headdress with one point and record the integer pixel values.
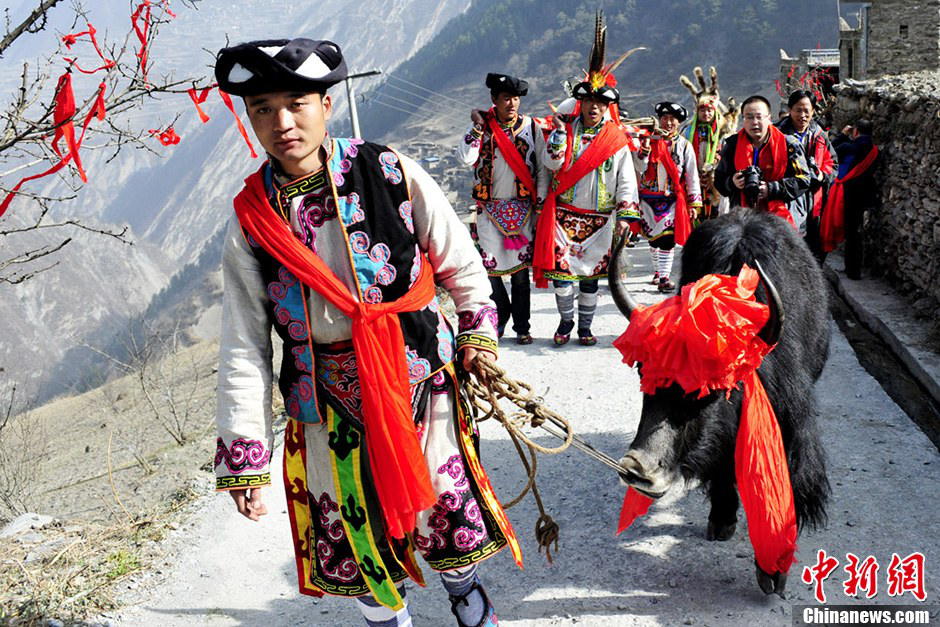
(506, 149)
(592, 194)
(711, 123)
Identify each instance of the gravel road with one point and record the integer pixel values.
(885, 474)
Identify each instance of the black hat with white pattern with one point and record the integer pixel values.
(258, 67)
(672, 108)
(503, 83)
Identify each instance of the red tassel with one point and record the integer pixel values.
(167, 137)
(62, 116)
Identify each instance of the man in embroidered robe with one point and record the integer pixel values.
(338, 244)
(591, 196)
(670, 194)
(505, 149)
(784, 175)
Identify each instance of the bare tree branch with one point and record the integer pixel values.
(29, 25)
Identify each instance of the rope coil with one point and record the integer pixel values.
(484, 389)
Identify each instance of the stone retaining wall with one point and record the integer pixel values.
(903, 233)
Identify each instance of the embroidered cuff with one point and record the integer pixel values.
(628, 210)
(243, 464)
(478, 341)
(242, 482)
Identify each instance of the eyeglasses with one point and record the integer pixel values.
(755, 117)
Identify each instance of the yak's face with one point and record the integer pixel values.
(679, 436)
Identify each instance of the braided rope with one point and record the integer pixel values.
(484, 390)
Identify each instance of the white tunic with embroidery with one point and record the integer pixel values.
(504, 222)
(657, 197)
(588, 211)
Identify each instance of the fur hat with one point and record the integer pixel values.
(258, 67)
(503, 83)
(672, 108)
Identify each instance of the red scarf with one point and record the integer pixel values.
(510, 153)
(772, 161)
(603, 146)
(660, 153)
(832, 226)
(826, 165)
(705, 339)
(402, 479)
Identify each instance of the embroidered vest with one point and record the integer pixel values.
(524, 141)
(373, 204)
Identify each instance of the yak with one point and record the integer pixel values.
(681, 435)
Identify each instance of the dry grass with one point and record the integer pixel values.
(74, 572)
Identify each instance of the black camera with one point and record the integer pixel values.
(752, 179)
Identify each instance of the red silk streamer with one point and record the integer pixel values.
(97, 111)
(62, 117)
(603, 146)
(772, 162)
(824, 162)
(72, 38)
(832, 225)
(198, 100)
(241, 127)
(659, 153)
(403, 482)
(510, 153)
(167, 137)
(706, 339)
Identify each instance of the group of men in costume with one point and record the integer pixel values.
(337, 245)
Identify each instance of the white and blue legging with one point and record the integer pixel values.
(456, 582)
(587, 301)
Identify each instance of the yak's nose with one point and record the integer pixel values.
(643, 474)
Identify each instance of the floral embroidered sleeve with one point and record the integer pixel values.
(468, 149)
(244, 445)
(457, 264)
(554, 156)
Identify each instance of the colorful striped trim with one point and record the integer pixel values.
(347, 479)
(298, 505)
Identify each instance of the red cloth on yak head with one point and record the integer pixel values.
(706, 339)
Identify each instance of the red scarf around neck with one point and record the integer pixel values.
(705, 339)
(398, 465)
(510, 153)
(660, 153)
(604, 145)
(832, 225)
(826, 165)
(772, 162)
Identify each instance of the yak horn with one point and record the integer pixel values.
(623, 57)
(772, 330)
(618, 292)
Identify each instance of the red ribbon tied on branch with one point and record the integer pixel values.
(72, 38)
(167, 137)
(706, 339)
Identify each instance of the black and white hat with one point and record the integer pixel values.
(504, 83)
(672, 108)
(258, 67)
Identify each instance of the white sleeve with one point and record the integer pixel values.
(457, 265)
(627, 195)
(468, 149)
(640, 161)
(244, 415)
(543, 175)
(693, 187)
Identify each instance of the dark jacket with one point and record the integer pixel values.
(860, 192)
(817, 180)
(790, 188)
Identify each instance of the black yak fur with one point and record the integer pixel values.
(706, 428)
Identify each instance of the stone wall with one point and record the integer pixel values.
(904, 36)
(903, 233)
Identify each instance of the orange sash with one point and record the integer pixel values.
(603, 146)
(832, 226)
(772, 162)
(511, 154)
(683, 223)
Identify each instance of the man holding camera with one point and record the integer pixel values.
(762, 168)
